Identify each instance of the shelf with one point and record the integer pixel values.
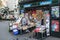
(23, 2)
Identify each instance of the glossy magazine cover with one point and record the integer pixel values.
(55, 12)
(55, 25)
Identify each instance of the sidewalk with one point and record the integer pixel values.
(5, 35)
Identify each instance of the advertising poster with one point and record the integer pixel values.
(55, 25)
(55, 12)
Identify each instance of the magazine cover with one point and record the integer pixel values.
(55, 25)
(55, 11)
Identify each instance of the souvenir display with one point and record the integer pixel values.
(25, 27)
(47, 17)
(45, 14)
(14, 26)
(24, 21)
(39, 14)
(26, 15)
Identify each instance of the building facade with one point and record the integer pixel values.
(13, 6)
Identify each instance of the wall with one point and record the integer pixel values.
(13, 4)
(3, 3)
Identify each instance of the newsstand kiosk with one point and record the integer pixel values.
(51, 11)
(55, 19)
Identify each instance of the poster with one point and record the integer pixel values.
(55, 12)
(55, 25)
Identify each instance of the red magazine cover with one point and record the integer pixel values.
(55, 25)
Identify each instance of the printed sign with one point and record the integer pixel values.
(27, 5)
